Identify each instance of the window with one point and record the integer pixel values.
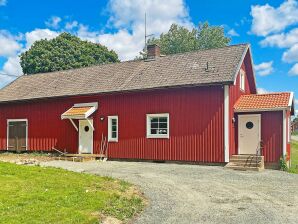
(157, 125)
(242, 80)
(113, 128)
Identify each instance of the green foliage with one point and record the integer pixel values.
(64, 52)
(49, 195)
(294, 157)
(283, 164)
(179, 39)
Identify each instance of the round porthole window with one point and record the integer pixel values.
(86, 128)
(249, 125)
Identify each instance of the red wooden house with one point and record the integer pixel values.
(199, 106)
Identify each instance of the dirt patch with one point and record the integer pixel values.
(25, 158)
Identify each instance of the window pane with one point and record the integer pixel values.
(163, 125)
(155, 119)
(114, 122)
(114, 128)
(163, 119)
(162, 131)
(154, 125)
(114, 134)
(153, 131)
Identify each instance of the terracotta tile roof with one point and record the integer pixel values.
(186, 69)
(263, 101)
(77, 111)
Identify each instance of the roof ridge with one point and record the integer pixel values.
(133, 60)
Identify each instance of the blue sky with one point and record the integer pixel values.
(270, 26)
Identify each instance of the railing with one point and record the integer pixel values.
(259, 152)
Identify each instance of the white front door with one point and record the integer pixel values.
(249, 133)
(85, 136)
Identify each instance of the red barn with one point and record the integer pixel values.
(200, 106)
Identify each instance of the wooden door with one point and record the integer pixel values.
(17, 135)
(85, 136)
(249, 127)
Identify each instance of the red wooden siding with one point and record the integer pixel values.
(196, 123)
(235, 93)
(271, 134)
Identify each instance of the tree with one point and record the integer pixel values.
(64, 52)
(179, 39)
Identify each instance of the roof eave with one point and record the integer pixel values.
(260, 109)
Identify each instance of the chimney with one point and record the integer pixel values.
(153, 51)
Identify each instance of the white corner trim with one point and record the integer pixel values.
(284, 133)
(226, 124)
(148, 126)
(110, 138)
(7, 131)
(291, 99)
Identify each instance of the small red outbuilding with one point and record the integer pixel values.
(199, 106)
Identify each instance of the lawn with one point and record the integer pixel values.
(294, 157)
(33, 194)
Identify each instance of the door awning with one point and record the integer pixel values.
(80, 111)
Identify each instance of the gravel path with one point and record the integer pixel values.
(203, 194)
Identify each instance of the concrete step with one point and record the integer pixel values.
(241, 168)
(246, 162)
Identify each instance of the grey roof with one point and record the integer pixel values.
(163, 72)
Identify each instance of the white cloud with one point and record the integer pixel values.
(233, 33)
(264, 68)
(71, 25)
(262, 91)
(53, 22)
(3, 2)
(39, 34)
(128, 17)
(11, 67)
(282, 40)
(9, 44)
(291, 55)
(267, 19)
(294, 70)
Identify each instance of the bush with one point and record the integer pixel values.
(283, 163)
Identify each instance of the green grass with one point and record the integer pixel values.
(294, 157)
(295, 133)
(31, 194)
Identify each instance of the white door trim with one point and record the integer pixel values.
(89, 121)
(7, 131)
(248, 115)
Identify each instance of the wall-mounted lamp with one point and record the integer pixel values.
(102, 118)
(233, 120)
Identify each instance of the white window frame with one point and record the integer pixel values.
(242, 80)
(7, 131)
(110, 138)
(148, 117)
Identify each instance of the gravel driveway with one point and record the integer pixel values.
(203, 194)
